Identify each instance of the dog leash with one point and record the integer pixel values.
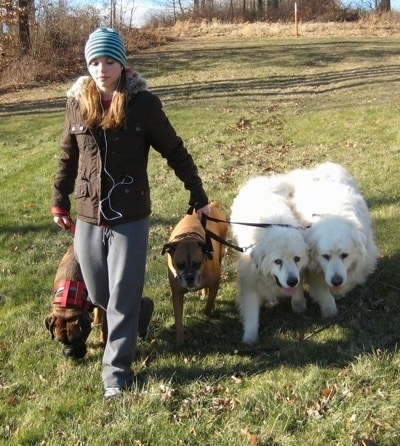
(211, 235)
(256, 225)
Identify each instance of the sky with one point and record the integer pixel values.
(394, 3)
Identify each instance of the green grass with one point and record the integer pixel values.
(244, 107)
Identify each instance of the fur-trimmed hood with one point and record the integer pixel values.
(134, 84)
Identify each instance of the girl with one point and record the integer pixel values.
(111, 120)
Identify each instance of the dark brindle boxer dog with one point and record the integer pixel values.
(70, 322)
(191, 266)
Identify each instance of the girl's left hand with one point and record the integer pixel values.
(204, 210)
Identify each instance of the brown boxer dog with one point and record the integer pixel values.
(70, 322)
(192, 265)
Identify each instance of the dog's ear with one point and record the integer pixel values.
(360, 251)
(169, 248)
(49, 323)
(257, 257)
(312, 258)
(85, 322)
(360, 241)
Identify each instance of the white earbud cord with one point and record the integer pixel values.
(127, 180)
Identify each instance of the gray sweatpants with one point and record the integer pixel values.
(113, 262)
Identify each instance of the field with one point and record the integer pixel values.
(244, 104)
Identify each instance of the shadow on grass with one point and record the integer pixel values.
(368, 321)
(288, 55)
(284, 53)
(30, 107)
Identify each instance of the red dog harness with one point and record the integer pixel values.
(72, 293)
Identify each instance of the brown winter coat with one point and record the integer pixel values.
(89, 158)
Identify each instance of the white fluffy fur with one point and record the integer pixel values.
(340, 237)
(272, 267)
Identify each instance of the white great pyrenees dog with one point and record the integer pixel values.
(271, 267)
(339, 233)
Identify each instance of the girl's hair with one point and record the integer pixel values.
(92, 109)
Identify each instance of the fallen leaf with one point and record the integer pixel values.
(253, 439)
(236, 379)
(12, 400)
(327, 393)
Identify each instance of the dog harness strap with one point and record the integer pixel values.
(65, 294)
(74, 294)
(187, 235)
(81, 297)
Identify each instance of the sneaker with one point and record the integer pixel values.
(112, 392)
(146, 312)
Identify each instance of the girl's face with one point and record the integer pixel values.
(106, 73)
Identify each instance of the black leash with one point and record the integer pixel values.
(255, 225)
(211, 235)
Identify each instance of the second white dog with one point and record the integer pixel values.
(271, 268)
(340, 236)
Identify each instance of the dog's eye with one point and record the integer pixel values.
(180, 265)
(343, 255)
(278, 262)
(196, 265)
(326, 256)
(297, 259)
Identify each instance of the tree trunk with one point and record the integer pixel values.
(384, 6)
(272, 4)
(24, 8)
(260, 8)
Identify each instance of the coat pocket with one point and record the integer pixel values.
(82, 190)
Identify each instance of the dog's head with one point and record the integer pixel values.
(283, 254)
(337, 247)
(71, 329)
(187, 257)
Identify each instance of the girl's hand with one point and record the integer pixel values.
(204, 210)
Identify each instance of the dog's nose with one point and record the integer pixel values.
(190, 280)
(337, 280)
(292, 281)
(75, 351)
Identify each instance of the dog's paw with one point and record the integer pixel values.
(329, 310)
(299, 306)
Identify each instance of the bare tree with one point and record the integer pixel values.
(383, 5)
(24, 9)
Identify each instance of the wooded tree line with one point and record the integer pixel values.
(29, 26)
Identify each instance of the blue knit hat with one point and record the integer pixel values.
(105, 42)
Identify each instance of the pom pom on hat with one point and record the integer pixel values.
(105, 42)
